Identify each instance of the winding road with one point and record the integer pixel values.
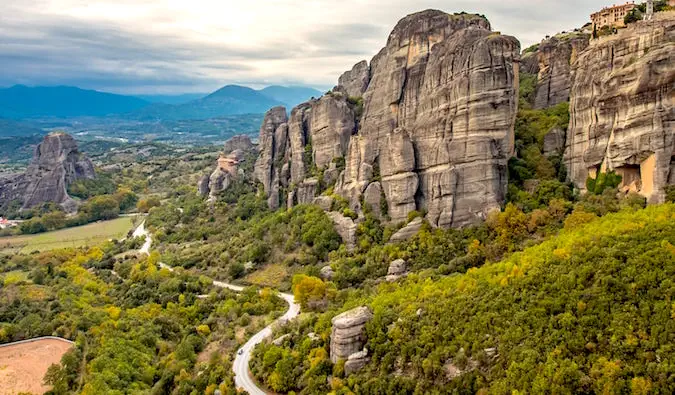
(242, 376)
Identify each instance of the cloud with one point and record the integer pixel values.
(166, 46)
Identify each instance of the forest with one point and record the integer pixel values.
(137, 328)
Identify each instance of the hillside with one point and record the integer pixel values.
(229, 100)
(588, 311)
(21, 101)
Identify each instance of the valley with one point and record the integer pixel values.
(457, 215)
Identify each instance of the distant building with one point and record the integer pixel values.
(612, 16)
(5, 223)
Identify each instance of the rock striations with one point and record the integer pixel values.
(56, 164)
(622, 108)
(348, 333)
(432, 130)
(555, 57)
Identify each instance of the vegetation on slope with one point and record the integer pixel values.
(137, 329)
(588, 311)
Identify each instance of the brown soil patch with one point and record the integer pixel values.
(22, 366)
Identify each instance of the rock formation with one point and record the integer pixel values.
(355, 81)
(621, 108)
(555, 57)
(356, 362)
(345, 227)
(407, 231)
(397, 269)
(227, 169)
(56, 164)
(436, 131)
(348, 333)
(239, 142)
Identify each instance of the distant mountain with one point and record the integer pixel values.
(172, 99)
(21, 101)
(291, 96)
(229, 100)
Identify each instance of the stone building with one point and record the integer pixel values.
(612, 16)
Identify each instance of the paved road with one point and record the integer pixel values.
(242, 378)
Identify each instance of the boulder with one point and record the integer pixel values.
(327, 272)
(325, 202)
(356, 362)
(346, 228)
(56, 164)
(348, 333)
(621, 108)
(397, 268)
(408, 231)
(280, 340)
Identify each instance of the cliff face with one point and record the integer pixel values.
(438, 119)
(555, 57)
(56, 164)
(621, 108)
(438, 110)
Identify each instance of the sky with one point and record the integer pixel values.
(188, 46)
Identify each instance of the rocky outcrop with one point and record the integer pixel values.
(397, 269)
(239, 142)
(345, 227)
(433, 131)
(290, 149)
(555, 57)
(227, 170)
(56, 164)
(408, 231)
(203, 186)
(438, 119)
(554, 142)
(355, 81)
(356, 362)
(621, 108)
(272, 145)
(327, 273)
(348, 333)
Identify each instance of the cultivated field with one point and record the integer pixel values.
(90, 234)
(23, 365)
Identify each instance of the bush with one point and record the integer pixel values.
(603, 181)
(102, 207)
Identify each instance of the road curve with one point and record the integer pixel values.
(242, 378)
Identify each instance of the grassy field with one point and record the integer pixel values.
(90, 234)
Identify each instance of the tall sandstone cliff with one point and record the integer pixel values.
(56, 164)
(621, 108)
(554, 59)
(428, 125)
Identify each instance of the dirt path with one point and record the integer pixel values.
(24, 364)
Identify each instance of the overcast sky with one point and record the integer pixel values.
(181, 46)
